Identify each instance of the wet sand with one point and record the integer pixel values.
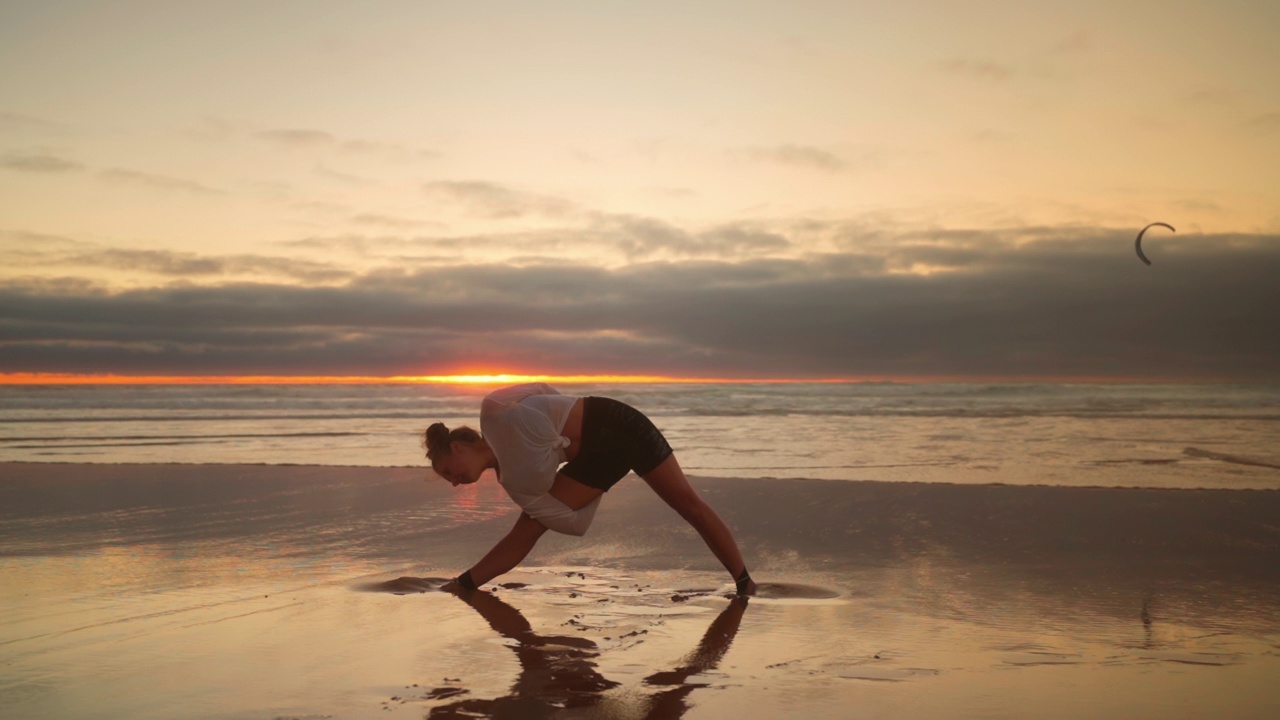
(222, 591)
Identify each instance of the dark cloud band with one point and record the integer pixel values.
(1070, 303)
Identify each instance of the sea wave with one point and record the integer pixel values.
(1013, 433)
(418, 417)
(55, 438)
(1228, 458)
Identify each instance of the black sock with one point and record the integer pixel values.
(466, 582)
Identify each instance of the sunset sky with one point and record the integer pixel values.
(694, 189)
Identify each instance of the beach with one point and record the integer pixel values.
(293, 591)
(954, 313)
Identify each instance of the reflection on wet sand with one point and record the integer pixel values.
(559, 672)
(958, 602)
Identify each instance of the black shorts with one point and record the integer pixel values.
(616, 439)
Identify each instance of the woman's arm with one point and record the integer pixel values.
(568, 507)
(559, 509)
(509, 551)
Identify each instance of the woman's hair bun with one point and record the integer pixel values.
(438, 432)
(437, 440)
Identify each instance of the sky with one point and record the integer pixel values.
(696, 189)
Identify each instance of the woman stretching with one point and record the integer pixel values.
(528, 431)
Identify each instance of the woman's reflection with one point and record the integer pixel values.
(559, 672)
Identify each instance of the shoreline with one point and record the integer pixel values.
(820, 524)
(19, 464)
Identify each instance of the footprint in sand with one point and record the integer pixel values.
(1040, 657)
(887, 674)
(406, 585)
(793, 591)
(1191, 658)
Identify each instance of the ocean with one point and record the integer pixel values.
(1108, 435)
(924, 550)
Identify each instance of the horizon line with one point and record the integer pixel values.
(502, 378)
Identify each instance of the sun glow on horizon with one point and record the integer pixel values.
(447, 379)
(499, 378)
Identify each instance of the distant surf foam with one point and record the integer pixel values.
(1017, 434)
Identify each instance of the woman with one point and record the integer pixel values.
(528, 431)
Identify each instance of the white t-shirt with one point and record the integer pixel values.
(523, 426)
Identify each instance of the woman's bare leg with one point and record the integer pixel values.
(670, 483)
